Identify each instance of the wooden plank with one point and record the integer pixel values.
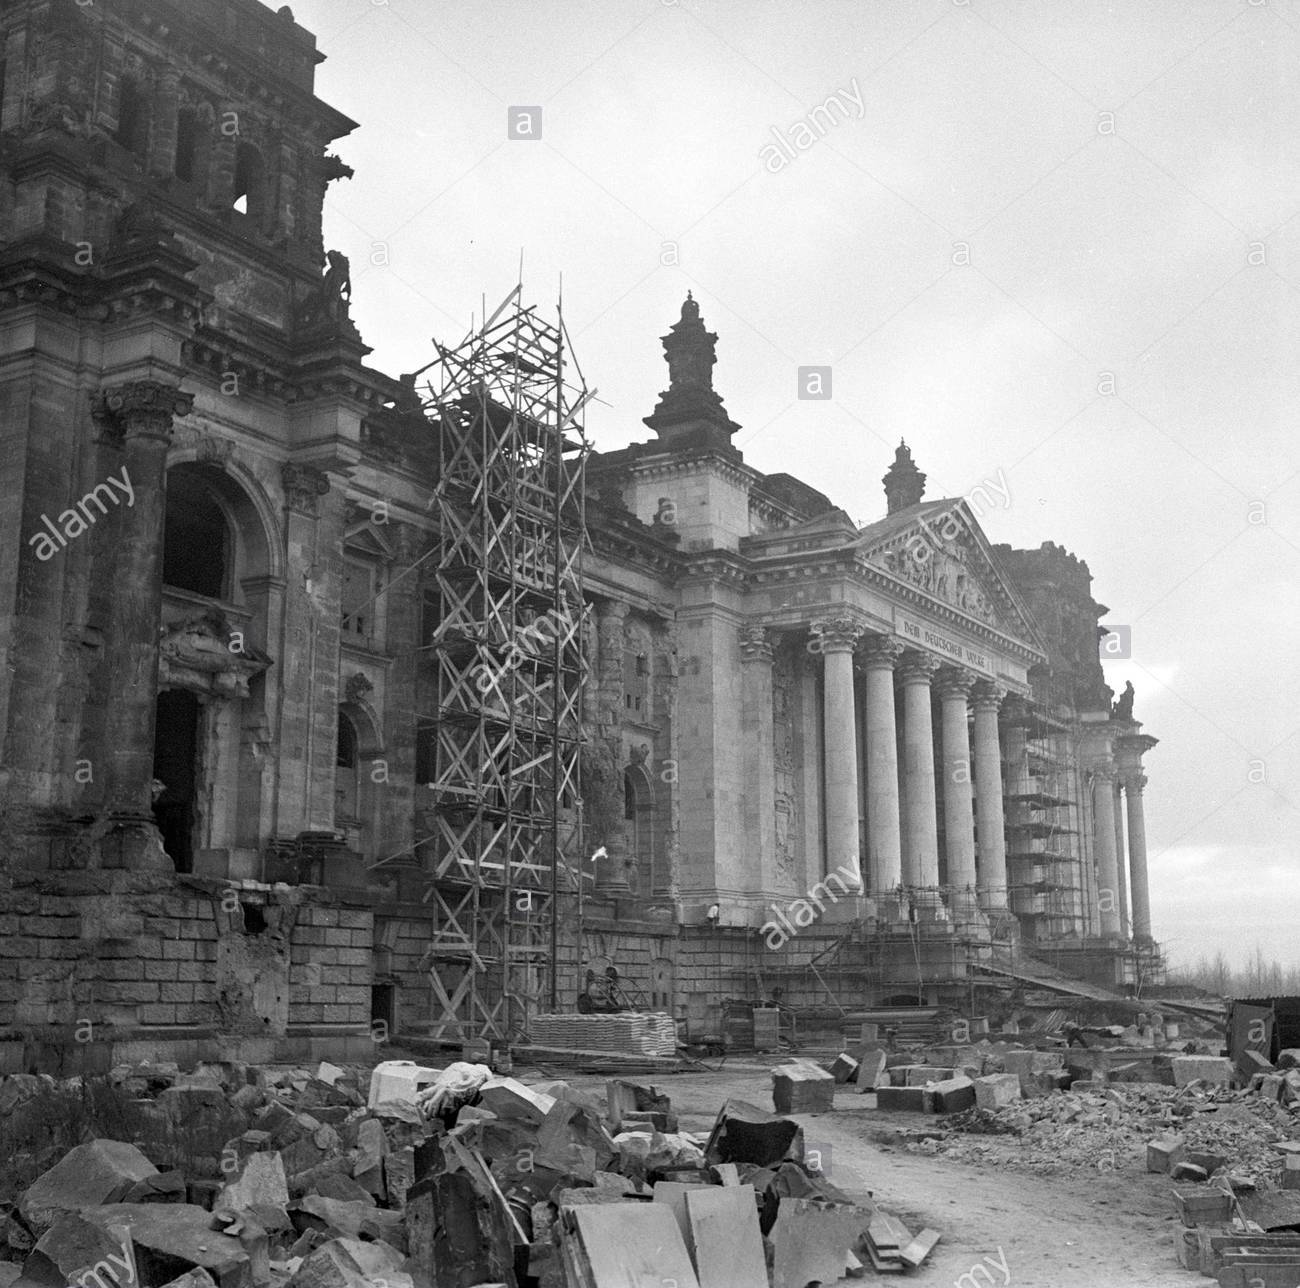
(630, 1245)
(728, 1243)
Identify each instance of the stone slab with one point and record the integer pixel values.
(812, 1243)
(1216, 1070)
(98, 1172)
(632, 1244)
(725, 1235)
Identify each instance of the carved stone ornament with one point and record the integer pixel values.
(204, 654)
(140, 408)
(357, 687)
(304, 485)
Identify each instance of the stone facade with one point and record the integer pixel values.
(214, 813)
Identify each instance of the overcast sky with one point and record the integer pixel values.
(1056, 240)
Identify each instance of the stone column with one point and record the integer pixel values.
(611, 872)
(1137, 857)
(759, 752)
(142, 412)
(1121, 862)
(990, 819)
(884, 829)
(920, 810)
(162, 133)
(953, 687)
(837, 640)
(1103, 806)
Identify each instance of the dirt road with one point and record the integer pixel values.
(1099, 1230)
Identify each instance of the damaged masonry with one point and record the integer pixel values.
(374, 748)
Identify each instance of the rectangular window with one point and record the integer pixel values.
(360, 585)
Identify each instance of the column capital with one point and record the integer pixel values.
(755, 644)
(953, 682)
(917, 668)
(837, 634)
(1104, 772)
(140, 409)
(879, 653)
(987, 696)
(303, 486)
(1134, 783)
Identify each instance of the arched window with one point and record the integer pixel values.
(250, 182)
(132, 115)
(196, 537)
(638, 829)
(187, 140)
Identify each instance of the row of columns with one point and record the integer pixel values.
(902, 835)
(1110, 783)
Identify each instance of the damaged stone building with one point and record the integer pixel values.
(887, 748)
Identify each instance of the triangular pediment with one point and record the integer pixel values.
(939, 548)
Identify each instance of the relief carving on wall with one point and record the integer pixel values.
(941, 566)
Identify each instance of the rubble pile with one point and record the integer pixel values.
(413, 1177)
(1109, 1127)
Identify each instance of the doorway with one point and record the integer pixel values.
(175, 759)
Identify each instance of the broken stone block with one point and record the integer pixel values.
(573, 1139)
(351, 1220)
(458, 1231)
(261, 1180)
(1165, 1153)
(372, 1147)
(1288, 1058)
(167, 1234)
(844, 1068)
(872, 1069)
(1291, 1172)
(802, 1087)
(952, 1095)
(812, 1243)
(917, 1075)
(1188, 1172)
(72, 1245)
(98, 1172)
(344, 1188)
(166, 1187)
(1214, 1069)
(997, 1090)
(623, 1098)
(348, 1263)
(195, 1278)
(901, 1099)
(1249, 1063)
(509, 1098)
(743, 1133)
(1210, 1162)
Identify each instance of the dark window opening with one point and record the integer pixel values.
(357, 602)
(346, 792)
(250, 181)
(175, 771)
(131, 119)
(426, 747)
(254, 919)
(196, 538)
(187, 140)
